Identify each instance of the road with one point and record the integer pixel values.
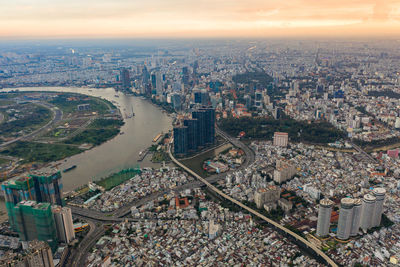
(125, 210)
(78, 256)
(240, 204)
(361, 151)
(57, 116)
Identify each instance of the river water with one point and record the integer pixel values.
(120, 152)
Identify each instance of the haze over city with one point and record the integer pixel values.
(199, 133)
(203, 18)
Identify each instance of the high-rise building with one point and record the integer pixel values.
(210, 125)
(185, 76)
(284, 171)
(32, 187)
(324, 217)
(201, 97)
(258, 99)
(181, 140)
(35, 221)
(49, 188)
(191, 133)
(281, 139)
(38, 254)
(125, 79)
(159, 83)
(357, 210)
(345, 218)
(195, 133)
(64, 224)
(153, 80)
(379, 194)
(368, 211)
(176, 100)
(267, 195)
(200, 115)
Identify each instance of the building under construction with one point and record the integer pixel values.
(35, 221)
(41, 188)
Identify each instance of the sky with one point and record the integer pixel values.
(199, 18)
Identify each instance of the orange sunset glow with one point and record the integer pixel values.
(200, 18)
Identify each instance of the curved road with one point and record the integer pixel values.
(125, 210)
(240, 204)
(57, 116)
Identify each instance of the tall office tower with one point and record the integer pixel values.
(191, 133)
(185, 76)
(145, 75)
(35, 221)
(345, 218)
(281, 139)
(38, 254)
(368, 211)
(153, 81)
(197, 96)
(201, 97)
(324, 217)
(64, 223)
(125, 79)
(379, 194)
(200, 115)
(159, 83)
(210, 125)
(180, 140)
(357, 210)
(32, 187)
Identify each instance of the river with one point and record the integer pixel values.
(121, 151)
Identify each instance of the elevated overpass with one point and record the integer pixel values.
(254, 212)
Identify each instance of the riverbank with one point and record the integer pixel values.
(79, 122)
(121, 151)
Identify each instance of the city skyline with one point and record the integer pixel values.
(154, 18)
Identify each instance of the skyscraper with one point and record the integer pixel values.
(379, 194)
(159, 84)
(125, 79)
(176, 100)
(357, 210)
(195, 133)
(345, 218)
(32, 187)
(185, 76)
(35, 221)
(200, 115)
(192, 133)
(181, 140)
(368, 210)
(64, 224)
(324, 217)
(210, 125)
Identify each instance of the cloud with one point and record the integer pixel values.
(174, 17)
